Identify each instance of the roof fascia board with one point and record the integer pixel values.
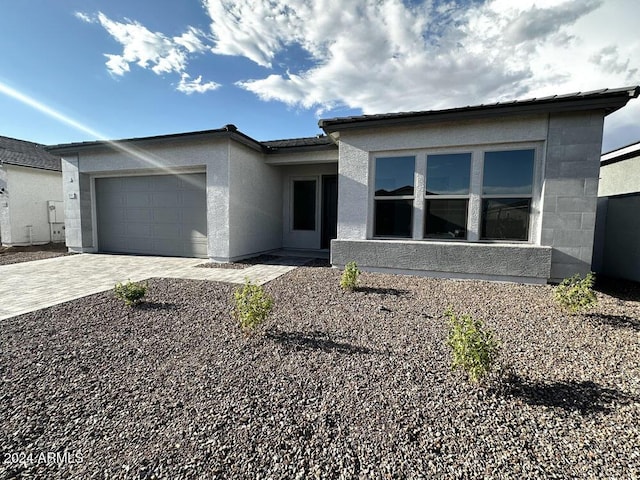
(19, 165)
(300, 149)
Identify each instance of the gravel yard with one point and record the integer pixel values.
(337, 385)
(9, 255)
(240, 264)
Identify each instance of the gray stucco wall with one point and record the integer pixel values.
(528, 263)
(5, 214)
(24, 214)
(78, 212)
(564, 200)
(180, 156)
(570, 191)
(309, 239)
(255, 204)
(620, 177)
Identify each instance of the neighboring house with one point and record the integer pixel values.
(617, 248)
(505, 191)
(31, 208)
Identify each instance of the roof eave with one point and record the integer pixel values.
(230, 133)
(300, 149)
(38, 167)
(609, 103)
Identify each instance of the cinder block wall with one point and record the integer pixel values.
(76, 191)
(570, 190)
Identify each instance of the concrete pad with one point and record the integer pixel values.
(29, 286)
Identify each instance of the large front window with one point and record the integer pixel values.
(394, 190)
(507, 190)
(471, 194)
(447, 195)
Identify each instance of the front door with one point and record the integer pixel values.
(329, 210)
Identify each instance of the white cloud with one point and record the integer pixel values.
(153, 50)
(392, 55)
(385, 56)
(188, 86)
(84, 17)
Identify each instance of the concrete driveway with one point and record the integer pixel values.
(29, 286)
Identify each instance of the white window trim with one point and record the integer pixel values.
(374, 197)
(466, 196)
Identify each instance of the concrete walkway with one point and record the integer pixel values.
(29, 286)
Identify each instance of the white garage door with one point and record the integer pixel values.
(154, 215)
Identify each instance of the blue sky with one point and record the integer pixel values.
(120, 69)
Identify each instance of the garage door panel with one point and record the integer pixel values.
(192, 183)
(191, 199)
(170, 247)
(167, 215)
(168, 230)
(166, 199)
(138, 230)
(162, 183)
(138, 199)
(191, 217)
(114, 215)
(114, 198)
(156, 215)
(135, 184)
(138, 215)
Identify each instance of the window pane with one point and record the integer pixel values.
(448, 174)
(393, 218)
(509, 172)
(505, 218)
(304, 205)
(446, 219)
(394, 176)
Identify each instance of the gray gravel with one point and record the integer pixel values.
(9, 255)
(336, 385)
(240, 264)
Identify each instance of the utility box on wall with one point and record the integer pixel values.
(56, 220)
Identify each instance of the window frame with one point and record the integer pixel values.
(496, 196)
(377, 198)
(428, 197)
(474, 198)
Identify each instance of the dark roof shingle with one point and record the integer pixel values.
(27, 154)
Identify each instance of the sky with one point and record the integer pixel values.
(77, 70)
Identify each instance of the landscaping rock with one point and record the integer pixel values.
(335, 385)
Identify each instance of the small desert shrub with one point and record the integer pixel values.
(131, 292)
(252, 305)
(349, 279)
(473, 348)
(576, 294)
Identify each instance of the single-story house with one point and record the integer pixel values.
(617, 241)
(31, 207)
(505, 191)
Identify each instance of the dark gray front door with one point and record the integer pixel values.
(153, 214)
(329, 210)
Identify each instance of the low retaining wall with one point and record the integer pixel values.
(523, 263)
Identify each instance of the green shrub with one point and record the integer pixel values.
(576, 294)
(130, 292)
(349, 279)
(473, 348)
(252, 305)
